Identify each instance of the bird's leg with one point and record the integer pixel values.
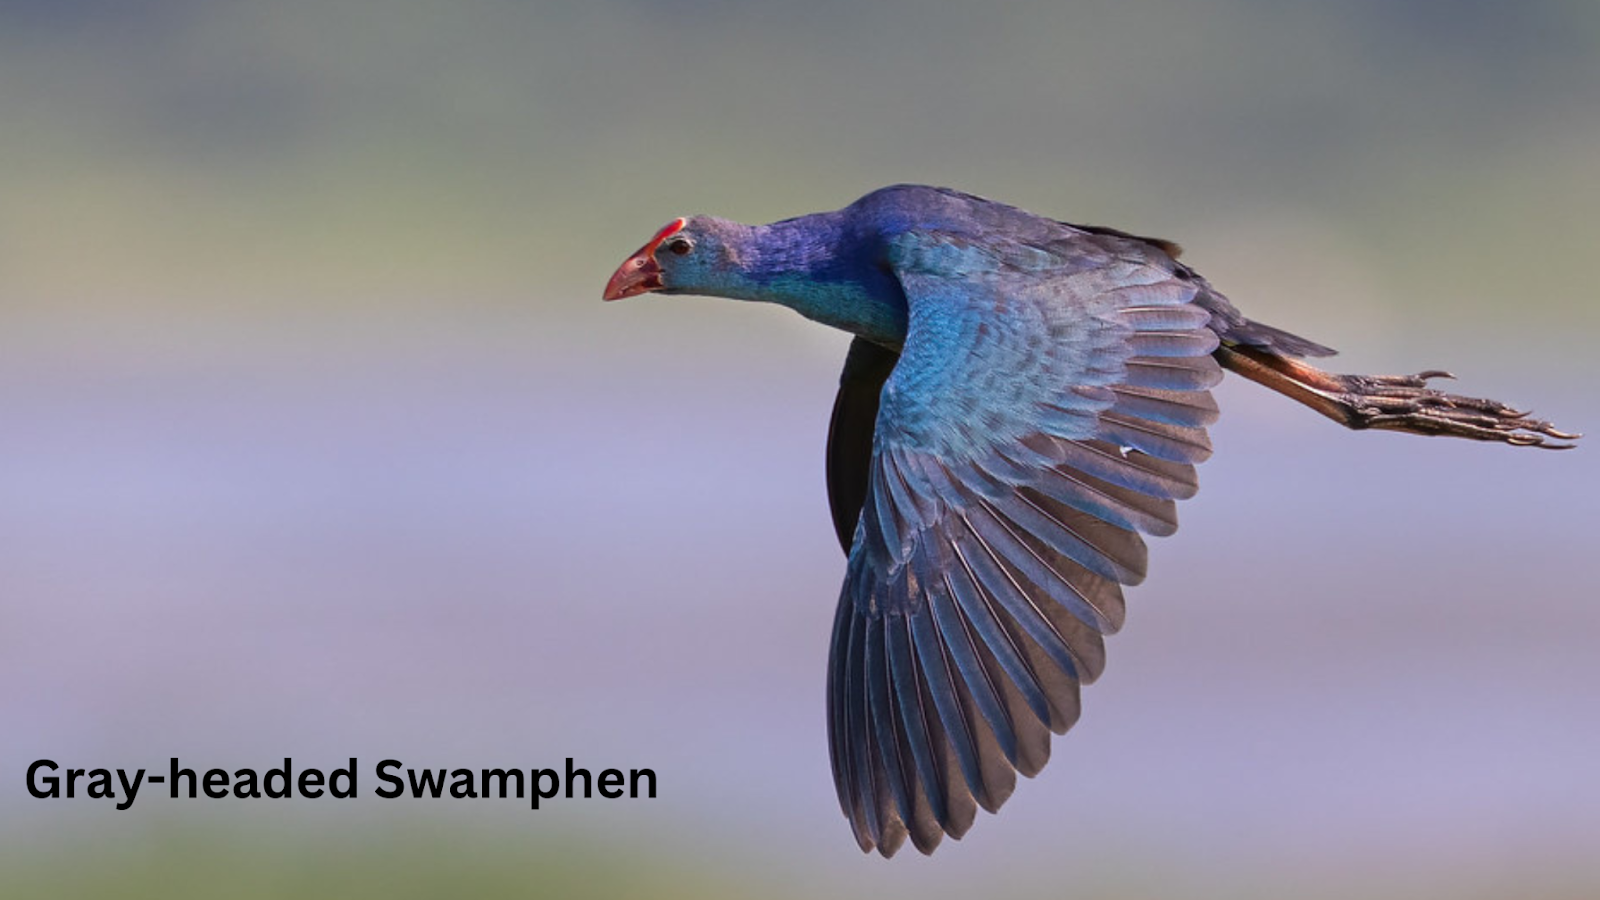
(1394, 402)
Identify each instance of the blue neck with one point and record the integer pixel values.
(817, 267)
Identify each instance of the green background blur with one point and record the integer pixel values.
(317, 440)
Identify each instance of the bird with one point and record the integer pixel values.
(1024, 399)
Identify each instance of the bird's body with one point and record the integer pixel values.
(839, 268)
(1024, 398)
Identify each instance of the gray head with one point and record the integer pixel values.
(694, 255)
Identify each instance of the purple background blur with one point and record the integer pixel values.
(318, 442)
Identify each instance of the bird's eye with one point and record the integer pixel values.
(680, 246)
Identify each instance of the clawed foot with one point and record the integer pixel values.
(1393, 402)
(1406, 403)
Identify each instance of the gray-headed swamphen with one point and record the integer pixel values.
(1024, 397)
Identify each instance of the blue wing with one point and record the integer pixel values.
(1048, 406)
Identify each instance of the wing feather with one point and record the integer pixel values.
(1047, 409)
(1195, 374)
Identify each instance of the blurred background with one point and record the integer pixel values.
(317, 441)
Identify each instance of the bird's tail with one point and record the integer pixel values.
(1263, 337)
(1392, 402)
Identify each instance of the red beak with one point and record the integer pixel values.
(641, 274)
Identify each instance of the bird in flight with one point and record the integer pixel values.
(1024, 398)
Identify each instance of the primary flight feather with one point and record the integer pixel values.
(1023, 400)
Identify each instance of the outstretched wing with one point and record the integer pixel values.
(1049, 404)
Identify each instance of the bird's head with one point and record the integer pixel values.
(696, 255)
